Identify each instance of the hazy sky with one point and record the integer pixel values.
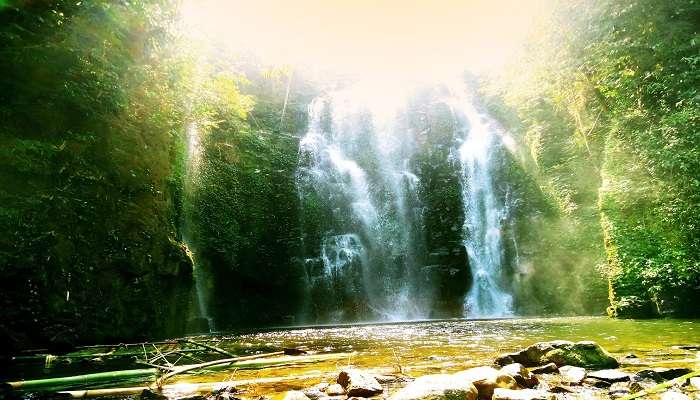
(382, 36)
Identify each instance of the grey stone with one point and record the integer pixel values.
(437, 387)
(521, 375)
(610, 375)
(358, 383)
(572, 375)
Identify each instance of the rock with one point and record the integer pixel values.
(358, 383)
(437, 387)
(314, 393)
(619, 389)
(486, 379)
(660, 374)
(572, 375)
(524, 394)
(610, 375)
(521, 375)
(695, 383)
(335, 390)
(562, 352)
(596, 383)
(545, 369)
(673, 395)
(295, 395)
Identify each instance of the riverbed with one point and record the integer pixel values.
(423, 347)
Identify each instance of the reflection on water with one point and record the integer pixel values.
(447, 346)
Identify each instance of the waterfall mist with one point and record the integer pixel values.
(377, 245)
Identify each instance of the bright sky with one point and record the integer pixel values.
(430, 37)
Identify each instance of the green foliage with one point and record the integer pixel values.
(91, 114)
(607, 102)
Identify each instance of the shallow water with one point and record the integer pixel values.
(442, 346)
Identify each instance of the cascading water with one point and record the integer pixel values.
(483, 215)
(357, 165)
(371, 162)
(191, 167)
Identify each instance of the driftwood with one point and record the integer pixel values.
(193, 387)
(209, 347)
(244, 362)
(187, 368)
(100, 377)
(661, 386)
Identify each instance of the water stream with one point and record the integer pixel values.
(484, 215)
(360, 172)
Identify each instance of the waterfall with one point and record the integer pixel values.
(483, 214)
(192, 160)
(356, 163)
(364, 163)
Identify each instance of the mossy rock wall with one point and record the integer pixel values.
(89, 192)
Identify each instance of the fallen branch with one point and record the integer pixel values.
(187, 368)
(209, 347)
(82, 379)
(661, 386)
(193, 387)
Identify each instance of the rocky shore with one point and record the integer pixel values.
(543, 371)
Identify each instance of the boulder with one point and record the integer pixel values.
(610, 375)
(486, 379)
(661, 374)
(545, 369)
(521, 375)
(572, 375)
(585, 354)
(358, 383)
(295, 395)
(524, 394)
(437, 387)
(335, 390)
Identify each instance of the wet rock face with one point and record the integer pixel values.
(358, 383)
(438, 387)
(561, 352)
